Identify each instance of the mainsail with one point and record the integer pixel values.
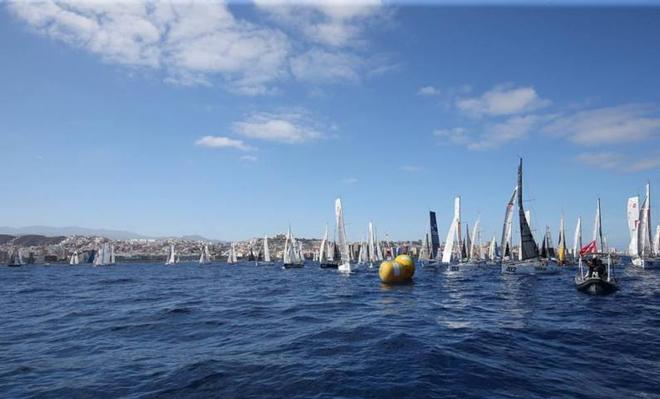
(577, 240)
(435, 239)
(633, 226)
(74, 258)
(171, 257)
(561, 242)
(266, 250)
(528, 247)
(507, 228)
(645, 224)
(424, 252)
(341, 233)
(453, 240)
(322, 249)
(598, 230)
(656, 241)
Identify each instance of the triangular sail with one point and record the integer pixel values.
(633, 226)
(424, 253)
(528, 247)
(656, 241)
(561, 243)
(266, 250)
(577, 240)
(645, 224)
(341, 232)
(371, 244)
(453, 240)
(598, 230)
(492, 249)
(435, 239)
(475, 245)
(322, 248)
(507, 228)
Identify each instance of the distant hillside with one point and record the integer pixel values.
(69, 231)
(9, 233)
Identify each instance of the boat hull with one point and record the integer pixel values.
(14, 265)
(533, 266)
(595, 286)
(465, 267)
(646, 263)
(328, 265)
(346, 268)
(292, 265)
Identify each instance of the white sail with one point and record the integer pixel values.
(301, 256)
(362, 253)
(453, 235)
(424, 253)
(74, 258)
(577, 238)
(205, 256)
(171, 257)
(286, 254)
(379, 249)
(633, 225)
(598, 230)
(341, 233)
(112, 254)
(475, 244)
(492, 249)
(266, 250)
(645, 224)
(507, 228)
(322, 248)
(371, 244)
(656, 241)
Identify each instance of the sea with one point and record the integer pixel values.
(247, 331)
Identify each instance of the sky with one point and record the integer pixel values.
(236, 120)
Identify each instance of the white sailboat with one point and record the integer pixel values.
(16, 258)
(507, 230)
(205, 255)
(562, 251)
(639, 223)
(431, 244)
(105, 255)
(291, 255)
(577, 240)
(492, 258)
(345, 265)
(528, 261)
(656, 241)
(265, 254)
(451, 253)
(75, 259)
(475, 255)
(171, 256)
(425, 250)
(231, 257)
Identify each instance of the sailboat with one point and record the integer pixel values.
(507, 229)
(105, 255)
(562, 252)
(345, 265)
(473, 246)
(547, 248)
(231, 257)
(656, 241)
(577, 240)
(15, 258)
(597, 280)
(205, 255)
(528, 261)
(327, 253)
(171, 256)
(374, 252)
(639, 223)
(74, 259)
(492, 258)
(431, 249)
(291, 255)
(264, 257)
(451, 253)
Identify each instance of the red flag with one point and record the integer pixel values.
(589, 248)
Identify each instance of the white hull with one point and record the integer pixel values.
(347, 268)
(464, 266)
(646, 263)
(532, 266)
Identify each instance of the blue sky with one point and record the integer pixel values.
(236, 121)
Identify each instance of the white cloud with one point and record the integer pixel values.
(489, 136)
(204, 43)
(323, 66)
(502, 100)
(222, 142)
(285, 127)
(428, 91)
(328, 23)
(610, 125)
(618, 162)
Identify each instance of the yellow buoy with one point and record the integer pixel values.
(400, 270)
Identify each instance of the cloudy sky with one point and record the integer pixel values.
(235, 120)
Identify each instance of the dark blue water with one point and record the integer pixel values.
(143, 331)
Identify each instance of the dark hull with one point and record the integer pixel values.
(14, 265)
(329, 265)
(292, 265)
(596, 286)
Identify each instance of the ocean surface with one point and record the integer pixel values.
(190, 331)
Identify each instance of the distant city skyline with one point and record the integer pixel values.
(235, 121)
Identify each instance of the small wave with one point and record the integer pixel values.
(116, 281)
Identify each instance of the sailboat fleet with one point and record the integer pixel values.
(462, 249)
